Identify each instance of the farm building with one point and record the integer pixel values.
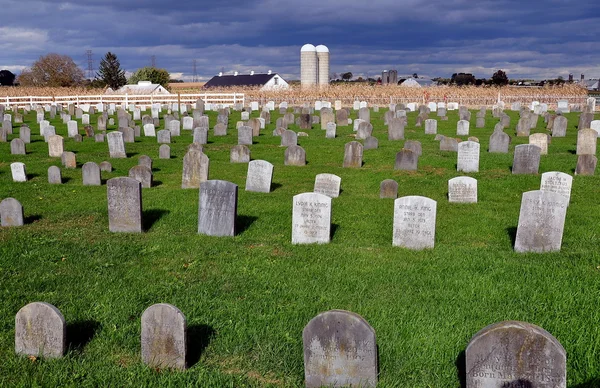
(591, 84)
(142, 88)
(264, 81)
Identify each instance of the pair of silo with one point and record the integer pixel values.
(314, 65)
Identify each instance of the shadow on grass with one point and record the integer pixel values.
(66, 179)
(461, 369)
(589, 384)
(334, 228)
(156, 183)
(275, 186)
(242, 223)
(150, 216)
(31, 219)
(31, 176)
(80, 334)
(512, 233)
(131, 154)
(198, 338)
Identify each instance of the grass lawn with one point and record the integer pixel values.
(247, 298)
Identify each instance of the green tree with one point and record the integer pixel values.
(110, 72)
(152, 74)
(7, 78)
(500, 78)
(347, 76)
(461, 79)
(53, 70)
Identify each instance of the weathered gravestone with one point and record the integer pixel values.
(11, 213)
(414, 222)
(220, 130)
(326, 118)
(365, 129)
(395, 129)
(585, 121)
(69, 160)
(259, 176)
(388, 189)
(311, 218)
(328, 184)
(330, 130)
(195, 169)
(371, 143)
(105, 166)
(541, 221)
(340, 350)
(17, 147)
(448, 144)
(255, 125)
(55, 146)
(99, 138)
(19, 173)
(201, 135)
(143, 174)
(128, 134)
(406, 160)
(245, 135)
(353, 153)
(480, 123)
(124, 205)
(430, 127)
(150, 131)
(164, 337)
(40, 330)
(164, 152)
(468, 157)
(540, 140)
(25, 134)
(217, 208)
(586, 142)
(175, 127)
(289, 138)
(239, 154)
(559, 128)
(557, 182)
(526, 159)
(54, 175)
(294, 156)
(513, 354)
(305, 121)
(415, 146)
(72, 129)
(116, 145)
(462, 189)
(90, 172)
(586, 165)
(462, 128)
(499, 142)
(163, 136)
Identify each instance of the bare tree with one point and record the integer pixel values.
(52, 70)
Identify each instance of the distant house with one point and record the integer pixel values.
(142, 88)
(417, 82)
(591, 84)
(264, 81)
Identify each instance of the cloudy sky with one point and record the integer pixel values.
(536, 39)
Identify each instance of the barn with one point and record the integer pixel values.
(266, 81)
(141, 88)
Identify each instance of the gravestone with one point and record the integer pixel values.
(468, 156)
(19, 173)
(326, 118)
(105, 166)
(143, 174)
(406, 160)
(217, 208)
(195, 169)
(164, 337)
(340, 350)
(25, 134)
(462, 189)
(245, 135)
(200, 135)
(559, 128)
(480, 123)
(585, 121)
(55, 146)
(128, 135)
(540, 140)
(294, 156)
(72, 129)
(462, 128)
(365, 129)
(149, 130)
(259, 177)
(311, 218)
(357, 123)
(220, 130)
(353, 153)
(11, 213)
(364, 114)
(164, 152)
(69, 160)
(526, 159)
(116, 145)
(330, 130)
(586, 142)
(515, 354)
(124, 205)
(557, 182)
(175, 127)
(239, 154)
(99, 138)
(40, 330)
(499, 142)
(586, 165)
(371, 143)
(523, 126)
(102, 122)
(17, 147)
(414, 146)
(289, 138)
(305, 121)
(163, 136)
(388, 189)
(328, 184)
(414, 222)
(448, 144)
(255, 125)
(430, 127)
(54, 175)
(188, 123)
(90, 172)
(395, 129)
(541, 222)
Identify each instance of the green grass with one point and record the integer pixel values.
(247, 298)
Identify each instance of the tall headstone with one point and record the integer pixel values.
(559, 128)
(430, 127)
(462, 128)
(540, 140)
(586, 142)
(414, 222)
(55, 146)
(499, 142)
(164, 337)
(259, 176)
(25, 134)
(468, 156)
(40, 330)
(245, 135)
(90, 172)
(289, 138)
(116, 145)
(217, 208)
(353, 153)
(365, 129)
(124, 205)
(11, 213)
(195, 169)
(311, 218)
(395, 129)
(462, 189)
(340, 350)
(328, 184)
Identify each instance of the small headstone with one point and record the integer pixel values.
(526, 159)
(17, 147)
(540, 140)
(19, 173)
(149, 130)
(116, 145)
(328, 184)
(331, 130)
(340, 350)
(294, 156)
(245, 135)
(523, 126)
(143, 174)
(414, 222)
(220, 130)
(371, 143)
(462, 128)
(55, 146)
(414, 146)
(54, 175)
(163, 136)
(289, 138)
(388, 189)
(105, 166)
(164, 337)
(449, 144)
(72, 129)
(468, 156)
(40, 330)
(586, 165)
(311, 219)
(353, 153)
(462, 189)
(239, 154)
(11, 213)
(164, 152)
(430, 127)
(499, 142)
(124, 205)
(90, 172)
(365, 129)
(395, 129)
(557, 182)
(99, 138)
(305, 121)
(217, 208)
(69, 160)
(200, 135)
(406, 160)
(259, 177)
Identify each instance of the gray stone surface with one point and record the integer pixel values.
(305, 121)
(195, 169)
(220, 130)
(523, 126)
(254, 123)
(239, 154)
(449, 144)
(430, 127)
(217, 208)
(559, 127)
(541, 222)
(331, 130)
(11, 213)
(69, 160)
(406, 160)
(99, 138)
(557, 182)
(515, 354)
(462, 128)
(201, 135)
(586, 142)
(499, 142)
(462, 189)
(25, 134)
(19, 172)
(526, 159)
(353, 153)
(468, 157)
(164, 337)
(311, 219)
(259, 176)
(326, 118)
(17, 147)
(341, 118)
(340, 350)
(371, 143)
(586, 165)
(116, 145)
(395, 129)
(124, 205)
(164, 152)
(289, 138)
(414, 146)
(175, 127)
(245, 135)
(540, 140)
(90, 172)
(365, 129)
(388, 189)
(294, 156)
(105, 166)
(55, 146)
(145, 160)
(40, 330)
(54, 175)
(163, 136)
(143, 174)
(414, 222)
(328, 184)
(150, 131)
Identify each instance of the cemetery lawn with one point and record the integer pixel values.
(247, 298)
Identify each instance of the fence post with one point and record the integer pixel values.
(126, 100)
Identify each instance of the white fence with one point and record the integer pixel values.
(125, 99)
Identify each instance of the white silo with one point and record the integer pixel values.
(308, 65)
(323, 57)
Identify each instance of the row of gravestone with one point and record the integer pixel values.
(339, 347)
